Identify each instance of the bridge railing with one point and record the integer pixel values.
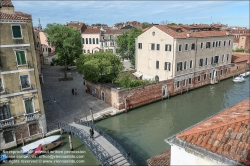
(110, 139)
(102, 155)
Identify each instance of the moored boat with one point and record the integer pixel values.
(3, 157)
(239, 79)
(28, 149)
(245, 74)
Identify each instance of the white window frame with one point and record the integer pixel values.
(206, 61)
(179, 47)
(177, 66)
(191, 63)
(199, 78)
(213, 44)
(225, 43)
(218, 59)
(200, 62)
(2, 84)
(227, 57)
(167, 66)
(21, 82)
(185, 66)
(20, 30)
(189, 81)
(202, 45)
(15, 50)
(184, 82)
(156, 64)
(219, 43)
(177, 84)
(186, 44)
(139, 45)
(157, 47)
(229, 42)
(168, 47)
(191, 46)
(222, 59)
(205, 77)
(210, 44)
(33, 105)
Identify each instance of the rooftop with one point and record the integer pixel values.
(225, 134)
(16, 16)
(240, 57)
(91, 31)
(162, 159)
(6, 3)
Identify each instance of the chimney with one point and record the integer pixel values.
(188, 35)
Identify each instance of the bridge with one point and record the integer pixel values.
(106, 149)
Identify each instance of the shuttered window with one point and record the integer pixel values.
(20, 56)
(16, 31)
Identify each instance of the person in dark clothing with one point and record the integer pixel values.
(72, 91)
(91, 132)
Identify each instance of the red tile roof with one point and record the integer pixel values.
(77, 25)
(162, 159)
(92, 31)
(16, 16)
(172, 31)
(226, 134)
(113, 31)
(240, 57)
(7, 3)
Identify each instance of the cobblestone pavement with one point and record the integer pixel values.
(66, 106)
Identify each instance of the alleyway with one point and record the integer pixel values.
(66, 106)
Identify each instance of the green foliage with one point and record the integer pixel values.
(172, 23)
(67, 42)
(126, 42)
(239, 50)
(128, 80)
(145, 25)
(102, 67)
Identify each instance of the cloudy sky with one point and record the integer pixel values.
(233, 13)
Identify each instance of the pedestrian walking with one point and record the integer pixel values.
(91, 132)
(73, 91)
(128, 154)
(83, 82)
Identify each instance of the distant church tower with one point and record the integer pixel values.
(39, 25)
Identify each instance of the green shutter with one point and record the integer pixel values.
(20, 57)
(16, 30)
(28, 106)
(23, 57)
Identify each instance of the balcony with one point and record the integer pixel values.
(7, 123)
(32, 116)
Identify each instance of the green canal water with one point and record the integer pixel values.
(142, 131)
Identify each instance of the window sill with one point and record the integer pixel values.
(24, 89)
(22, 65)
(17, 38)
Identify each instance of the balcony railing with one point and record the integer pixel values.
(31, 116)
(7, 123)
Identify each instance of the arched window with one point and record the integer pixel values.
(157, 78)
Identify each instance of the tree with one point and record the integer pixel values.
(172, 23)
(166, 22)
(145, 25)
(126, 43)
(67, 42)
(100, 67)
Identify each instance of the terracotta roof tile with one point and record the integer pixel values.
(113, 31)
(240, 57)
(7, 3)
(229, 136)
(78, 25)
(91, 31)
(162, 159)
(16, 16)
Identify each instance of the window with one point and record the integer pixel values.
(33, 129)
(179, 66)
(43, 49)
(219, 43)
(210, 75)
(83, 41)
(106, 44)
(21, 59)
(84, 51)
(221, 72)
(186, 47)
(168, 47)
(158, 47)
(216, 59)
(97, 42)
(8, 136)
(152, 46)
(93, 40)
(140, 45)
(86, 40)
(16, 31)
(212, 60)
(185, 65)
(29, 107)
(4, 111)
(199, 78)
(190, 80)
(208, 44)
(226, 71)
(89, 40)
(184, 83)
(201, 62)
(225, 43)
(191, 64)
(1, 85)
(167, 66)
(205, 76)
(25, 83)
(178, 84)
(216, 45)
(193, 46)
(229, 42)
(206, 61)
(157, 64)
(213, 44)
(201, 45)
(222, 59)
(180, 47)
(227, 57)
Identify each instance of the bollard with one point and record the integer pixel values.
(70, 142)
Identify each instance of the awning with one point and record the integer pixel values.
(137, 74)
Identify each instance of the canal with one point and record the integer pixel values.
(142, 131)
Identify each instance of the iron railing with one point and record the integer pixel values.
(102, 155)
(107, 137)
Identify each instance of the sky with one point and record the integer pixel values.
(233, 13)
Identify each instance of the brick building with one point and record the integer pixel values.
(22, 116)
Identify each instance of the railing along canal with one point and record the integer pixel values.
(101, 154)
(110, 139)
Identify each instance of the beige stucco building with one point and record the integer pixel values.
(91, 40)
(183, 53)
(22, 116)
